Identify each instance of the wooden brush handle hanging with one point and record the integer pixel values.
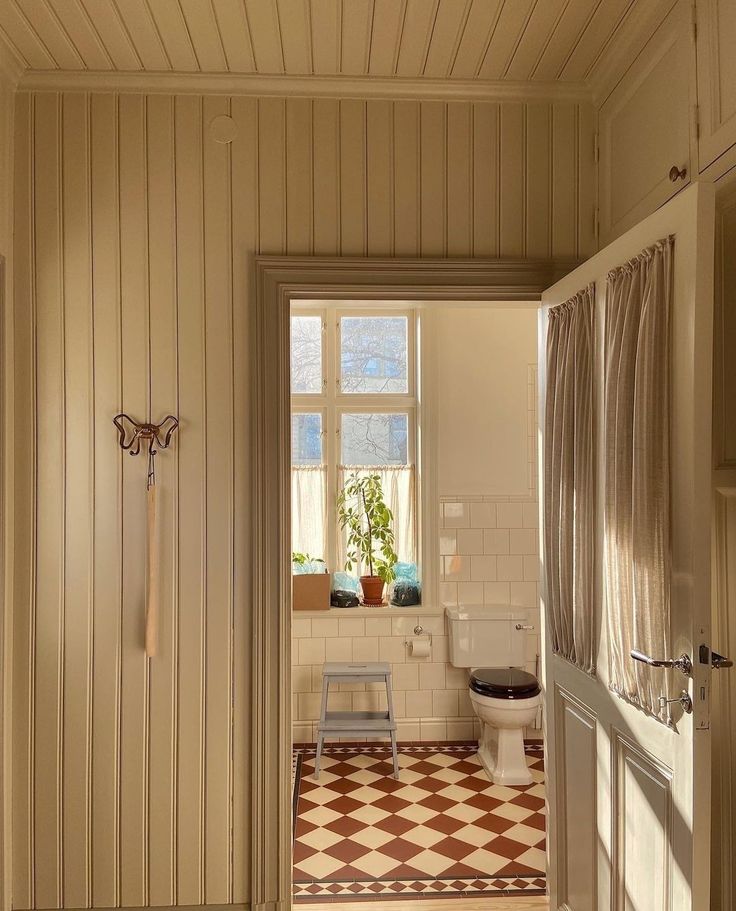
(131, 434)
(152, 589)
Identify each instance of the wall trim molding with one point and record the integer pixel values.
(356, 87)
(6, 589)
(279, 280)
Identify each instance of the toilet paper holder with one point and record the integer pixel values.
(419, 631)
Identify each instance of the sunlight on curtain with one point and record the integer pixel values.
(398, 490)
(637, 503)
(569, 485)
(309, 510)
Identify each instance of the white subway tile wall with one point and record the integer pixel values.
(493, 558)
(500, 565)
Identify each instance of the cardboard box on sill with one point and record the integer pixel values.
(311, 591)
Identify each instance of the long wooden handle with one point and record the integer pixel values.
(152, 587)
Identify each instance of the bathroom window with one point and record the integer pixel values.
(354, 408)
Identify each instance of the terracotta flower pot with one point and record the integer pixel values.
(372, 589)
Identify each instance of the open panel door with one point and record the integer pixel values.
(629, 796)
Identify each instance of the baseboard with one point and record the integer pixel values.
(236, 906)
(414, 729)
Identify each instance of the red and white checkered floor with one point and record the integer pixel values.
(443, 829)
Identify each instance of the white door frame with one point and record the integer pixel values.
(723, 875)
(279, 280)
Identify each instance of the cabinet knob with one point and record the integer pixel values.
(677, 173)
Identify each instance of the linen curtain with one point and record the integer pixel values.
(637, 492)
(399, 493)
(309, 510)
(569, 482)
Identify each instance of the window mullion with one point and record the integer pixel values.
(331, 441)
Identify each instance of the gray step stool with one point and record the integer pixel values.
(358, 724)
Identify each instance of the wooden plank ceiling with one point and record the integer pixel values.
(486, 40)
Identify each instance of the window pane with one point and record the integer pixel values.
(373, 355)
(306, 439)
(374, 439)
(306, 354)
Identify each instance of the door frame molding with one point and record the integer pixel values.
(279, 280)
(6, 585)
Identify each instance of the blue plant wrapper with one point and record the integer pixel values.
(406, 572)
(344, 582)
(308, 569)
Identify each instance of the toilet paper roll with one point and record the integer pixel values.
(419, 648)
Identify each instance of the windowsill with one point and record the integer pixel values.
(421, 610)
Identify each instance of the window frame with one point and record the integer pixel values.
(362, 311)
(333, 403)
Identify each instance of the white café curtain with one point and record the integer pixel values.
(569, 479)
(309, 509)
(397, 482)
(637, 488)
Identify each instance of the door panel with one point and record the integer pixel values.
(642, 795)
(649, 786)
(576, 809)
(650, 110)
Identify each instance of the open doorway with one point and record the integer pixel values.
(435, 402)
(279, 282)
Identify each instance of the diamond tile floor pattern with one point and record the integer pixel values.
(442, 829)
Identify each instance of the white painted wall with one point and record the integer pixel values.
(483, 366)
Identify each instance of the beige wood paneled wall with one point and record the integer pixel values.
(135, 233)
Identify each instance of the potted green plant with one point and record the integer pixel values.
(310, 583)
(362, 510)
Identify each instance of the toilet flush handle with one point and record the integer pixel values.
(524, 626)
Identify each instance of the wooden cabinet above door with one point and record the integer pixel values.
(644, 130)
(716, 51)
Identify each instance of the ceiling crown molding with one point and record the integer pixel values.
(637, 27)
(356, 87)
(11, 66)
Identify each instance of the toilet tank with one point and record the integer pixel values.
(485, 635)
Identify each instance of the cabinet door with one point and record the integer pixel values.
(716, 49)
(644, 130)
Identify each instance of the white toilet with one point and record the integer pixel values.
(490, 640)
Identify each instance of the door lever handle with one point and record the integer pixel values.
(720, 661)
(683, 663)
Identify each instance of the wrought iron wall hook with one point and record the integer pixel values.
(131, 433)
